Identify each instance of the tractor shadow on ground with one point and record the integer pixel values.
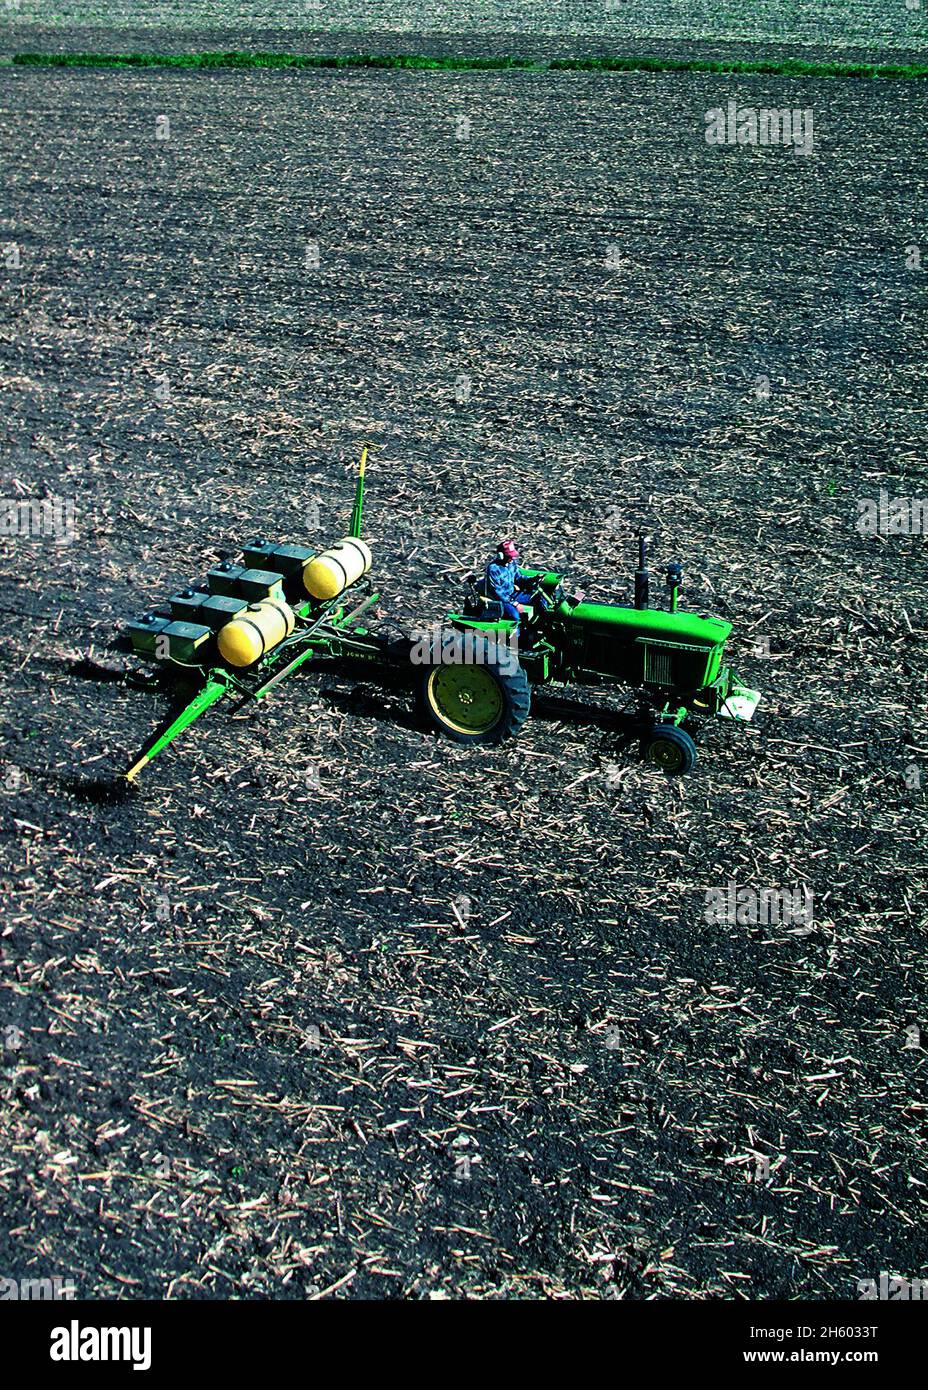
(624, 729)
(367, 701)
(362, 697)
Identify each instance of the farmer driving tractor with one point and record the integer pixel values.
(504, 578)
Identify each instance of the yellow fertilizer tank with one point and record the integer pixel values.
(329, 574)
(255, 631)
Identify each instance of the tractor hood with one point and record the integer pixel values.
(650, 623)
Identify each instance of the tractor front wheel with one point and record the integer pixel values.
(671, 749)
(472, 696)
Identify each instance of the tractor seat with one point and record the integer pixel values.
(478, 605)
(489, 610)
(486, 609)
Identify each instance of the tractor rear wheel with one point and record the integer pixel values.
(671, 749)
(471, 696)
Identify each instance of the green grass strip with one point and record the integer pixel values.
(778, 67)
(786, 67)
(268, 60)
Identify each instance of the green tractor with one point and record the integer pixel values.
(247, 627)
(476, 683)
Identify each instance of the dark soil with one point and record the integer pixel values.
(453, 1021)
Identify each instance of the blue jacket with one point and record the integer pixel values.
(502, 580)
